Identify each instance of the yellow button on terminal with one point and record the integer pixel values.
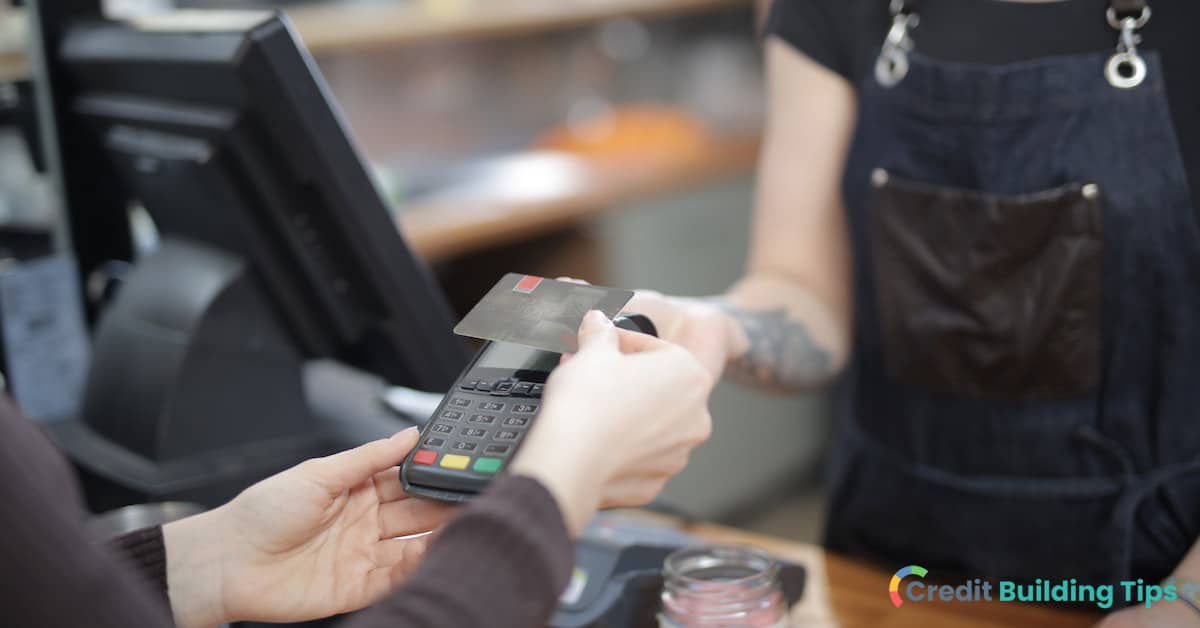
(451, 461)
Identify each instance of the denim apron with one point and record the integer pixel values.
(1024, 396)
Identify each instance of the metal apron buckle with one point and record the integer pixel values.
(892, 64)
(1126, 69)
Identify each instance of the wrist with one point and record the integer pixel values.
(733, 338)
(1187, 590)
(570, 481)
(1164, 613)
(195, 567)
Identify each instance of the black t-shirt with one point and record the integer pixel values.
(845, 36)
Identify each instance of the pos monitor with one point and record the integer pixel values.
(276, 249)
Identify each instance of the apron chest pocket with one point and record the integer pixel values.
(987, 295)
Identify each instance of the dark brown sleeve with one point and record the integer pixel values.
(143, 550)
(501, 562)
(55, 574)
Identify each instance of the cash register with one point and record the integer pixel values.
(277, 258)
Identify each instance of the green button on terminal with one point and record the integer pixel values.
(487, 465)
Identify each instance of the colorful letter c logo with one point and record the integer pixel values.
(894, 587)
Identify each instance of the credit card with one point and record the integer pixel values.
(538, 312)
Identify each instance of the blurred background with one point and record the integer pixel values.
(610, 140)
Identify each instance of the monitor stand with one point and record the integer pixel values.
(196, 390)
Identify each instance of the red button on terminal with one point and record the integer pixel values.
(424, 457)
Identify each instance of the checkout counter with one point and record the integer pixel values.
(847, 593)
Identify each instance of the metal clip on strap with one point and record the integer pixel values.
(1126, 69)
(1128, 7)
(892, 65)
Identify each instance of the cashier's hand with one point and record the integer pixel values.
(694, 324)
(313, 541)
(618, 419)
(1161, 615)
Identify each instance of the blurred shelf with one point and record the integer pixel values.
(13, 67)
(528, 194)
(337, 26)
(13, 64)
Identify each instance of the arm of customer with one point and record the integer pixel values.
(320, 538)
(328, 525)
(785, 325)
(54, 572)
(619, 418)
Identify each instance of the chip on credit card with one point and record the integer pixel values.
(539, 312)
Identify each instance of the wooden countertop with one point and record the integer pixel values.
(338, 26)
(532, 193)
(851, 594)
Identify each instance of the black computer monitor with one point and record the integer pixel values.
(276, 246)
(221, 125)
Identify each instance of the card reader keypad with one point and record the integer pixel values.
(479, 427)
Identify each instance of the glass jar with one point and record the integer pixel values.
(722, 586)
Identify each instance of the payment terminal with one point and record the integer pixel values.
(481, 421)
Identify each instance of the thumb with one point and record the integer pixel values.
(596, 331)
(349, 468)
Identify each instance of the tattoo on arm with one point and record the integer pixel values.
(781, 355)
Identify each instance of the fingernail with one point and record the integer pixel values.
(598, 316)
(404, 432)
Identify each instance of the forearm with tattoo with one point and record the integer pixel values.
(781, 353)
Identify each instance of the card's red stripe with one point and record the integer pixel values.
(527, 283)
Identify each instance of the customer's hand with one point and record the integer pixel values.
(618, 419)
(312, 541)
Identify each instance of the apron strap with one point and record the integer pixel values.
(1125, 69)
(1123, 8)
(906, 7)
(1128, 8)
